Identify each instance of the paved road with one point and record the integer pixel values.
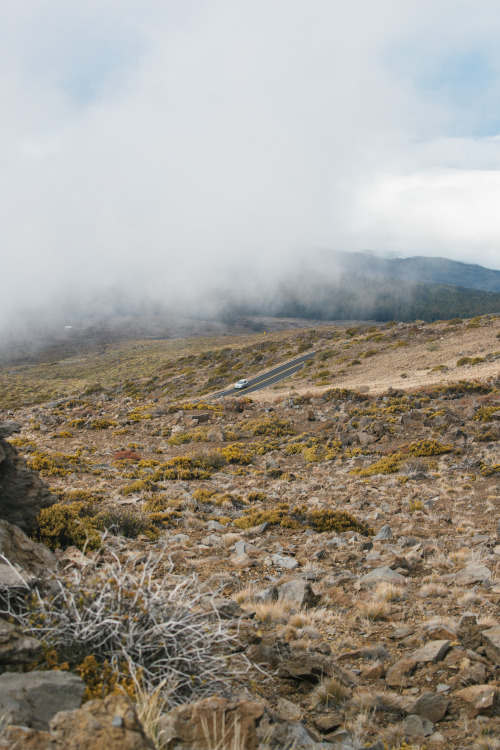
(268, 378)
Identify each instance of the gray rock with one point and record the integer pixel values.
(383, 574)
(215, 435)
(366, 438)
(299, 592)
(240, 547)
(384, 533)
(267, 595)
(179, 538)
(288, 711)
(9, 427)
(271, 463)
(22, 491)
(214, 526)
(469, 632)
(293, 734)
(283, 561)
(482, 698)
(16, 648)
(212, 540)
(433, 651)
(473, 573)
(416, 726)
(491, 641)
(397, 675)
(430, 706)
(229, 609)
(33, 698)
(27, 556)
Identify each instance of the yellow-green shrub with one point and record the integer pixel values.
(54, 464)
(64, 525)
(272, 426)
(280, 516)
(429, 448)
(336, 520)
(237, 453)
(102, 424)
(101, 679)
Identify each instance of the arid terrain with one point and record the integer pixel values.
(345, 520)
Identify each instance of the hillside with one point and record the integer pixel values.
(416, 268)
(345, 521)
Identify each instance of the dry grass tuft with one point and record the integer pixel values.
(433, 590)
(389, 592)
(374, 611)
(378, 701)
(273, 612)
(330, 692)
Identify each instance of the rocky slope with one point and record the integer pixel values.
(347, 531)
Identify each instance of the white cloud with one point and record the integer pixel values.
(167, 145)
(451, 212)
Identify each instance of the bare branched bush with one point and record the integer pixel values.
(162, 627)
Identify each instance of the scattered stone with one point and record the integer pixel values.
(397, 675)
(384, 533)
(215, 435)
(30, 559)
(415, 726)
(215, 526)
(491, 641)
(381, 575)
(267, 595)
(16, 648)
(299, 592)
(292, 734)
(326, 723)
(469, 632)
(430, 706)
(242, 561)
(9, 427)
(473, 573)
(212, 540)
(202, 725)
(374, 673)
(283, 561)
(433, 651)
(33, 698)
(483, 699)
(229, 609)
(111, 723)
(288, 711)
(22, 491)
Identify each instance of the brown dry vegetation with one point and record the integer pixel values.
(324, 461)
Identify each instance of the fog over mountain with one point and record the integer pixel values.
(182, 155)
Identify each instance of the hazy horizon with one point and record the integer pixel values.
(167, 151)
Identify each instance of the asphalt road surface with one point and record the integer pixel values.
(268, 378)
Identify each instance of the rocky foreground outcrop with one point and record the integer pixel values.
(22, 493)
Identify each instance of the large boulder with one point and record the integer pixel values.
(22, 558)
(33, 698)
(16, 648)
(22, 492)
(111, 723)
(213, 722)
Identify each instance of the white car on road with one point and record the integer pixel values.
(241, 383)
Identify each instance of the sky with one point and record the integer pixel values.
(166, 147)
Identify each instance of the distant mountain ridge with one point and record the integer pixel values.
(336, 285)
(416, 268)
